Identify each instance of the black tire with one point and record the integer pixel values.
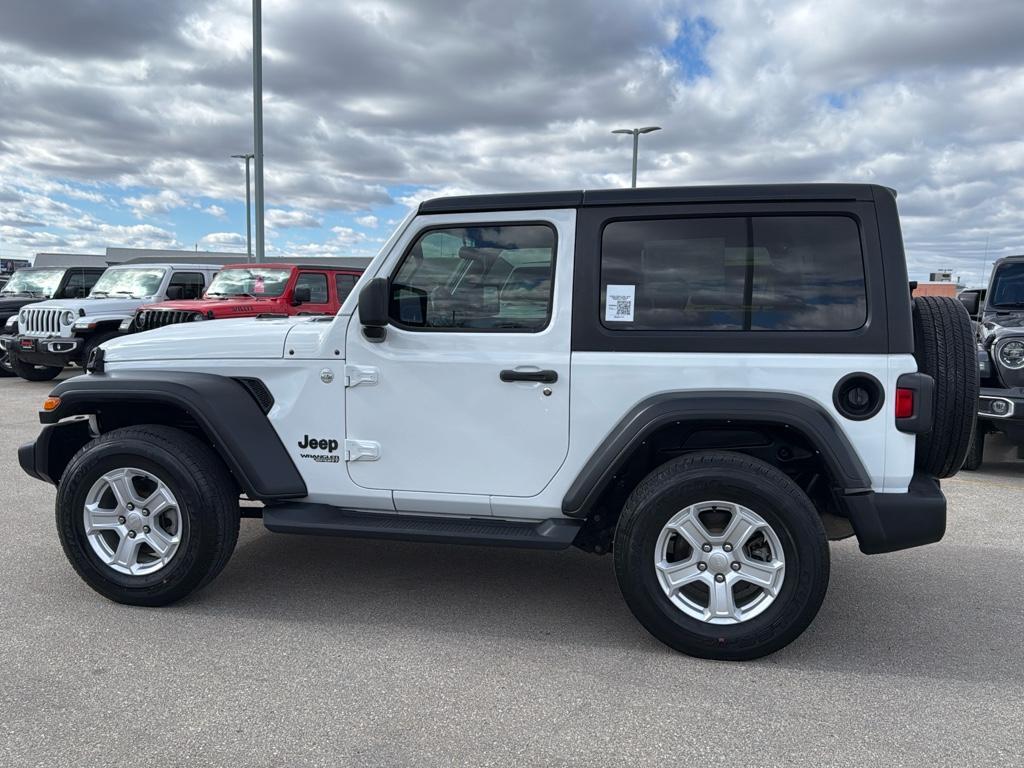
(207, 499)
(92, 342)
(31, 372)
(731, 477)
(944, 348)
(5, 364)
(976, 451)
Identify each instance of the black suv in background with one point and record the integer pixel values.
(1000, 332)
(34, 284)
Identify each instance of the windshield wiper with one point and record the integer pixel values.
(94, 292)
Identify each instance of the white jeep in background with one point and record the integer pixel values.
(53, 334)
(708, 383)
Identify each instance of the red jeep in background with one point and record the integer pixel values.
(248, 290)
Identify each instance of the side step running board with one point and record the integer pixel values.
(325, 520)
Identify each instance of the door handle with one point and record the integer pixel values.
(542, 377)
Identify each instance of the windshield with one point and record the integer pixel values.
(1007, 287)
(249, 281)
(39, 283)
(135, 282)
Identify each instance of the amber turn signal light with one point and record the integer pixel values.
(51, 403)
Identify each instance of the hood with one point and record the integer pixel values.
(242, 305)
(93, 307)
(243, 339)
(9, 305)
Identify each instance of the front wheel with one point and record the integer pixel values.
(31, 372)
(976, 451)
(721, 556)
(147, 514)
(5, 364)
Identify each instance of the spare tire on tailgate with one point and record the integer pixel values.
(945, 349)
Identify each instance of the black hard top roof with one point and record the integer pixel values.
(651, 196)
(1017, 257)
(90, 267)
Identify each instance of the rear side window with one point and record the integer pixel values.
(317, 284)
(344, 285)
(733, 273)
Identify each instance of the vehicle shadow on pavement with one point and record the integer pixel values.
(906, 614)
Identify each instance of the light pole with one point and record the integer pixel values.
(248, 210)
(257, 118)
(635, 132)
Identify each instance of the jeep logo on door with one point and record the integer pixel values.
(313, 444)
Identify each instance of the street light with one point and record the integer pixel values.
(635, 132)
(248, 209)
(257, 118)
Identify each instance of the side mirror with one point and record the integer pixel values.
(175, 292)
(302, 294)
(373, 308)
(971, 303)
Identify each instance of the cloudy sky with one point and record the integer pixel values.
(118, 117)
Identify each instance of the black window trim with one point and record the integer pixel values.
(748, 285)
(419, 234)
(882, 332)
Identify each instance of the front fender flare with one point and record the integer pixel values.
(227, 412)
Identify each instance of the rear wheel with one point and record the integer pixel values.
(31, 372)
(720, 555)
(147, 514)
(945, 350)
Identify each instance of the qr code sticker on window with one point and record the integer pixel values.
(618, 305)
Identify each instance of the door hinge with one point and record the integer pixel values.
(360, 374)
(361, 450)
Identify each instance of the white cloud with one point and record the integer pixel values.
(379, 95)
(370, 221)
(232, 239)
(153, 205)
(282, 219)
(216, 211)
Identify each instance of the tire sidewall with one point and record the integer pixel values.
(84, 470)
(804, 546)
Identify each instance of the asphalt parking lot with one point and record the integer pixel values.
(309, 652)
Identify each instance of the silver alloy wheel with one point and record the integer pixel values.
(719, 562)
(133, 521)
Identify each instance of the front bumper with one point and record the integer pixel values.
(54, 351)
(886, 522)
(1001, 404)
(46, 457)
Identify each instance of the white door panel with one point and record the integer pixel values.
(444, 420)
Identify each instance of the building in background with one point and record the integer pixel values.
(939, 283)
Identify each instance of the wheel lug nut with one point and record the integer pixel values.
(120, 519)
(727, 547)
(735, 566)
(145, 529)
(131, 534)
(145, 513)
(706, 547)
(719, 577)
(131, 507)
(702, 566)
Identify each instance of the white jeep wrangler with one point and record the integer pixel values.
(53, 334)
(708, 383)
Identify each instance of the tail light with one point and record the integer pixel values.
(904, 403)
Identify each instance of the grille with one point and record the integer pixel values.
(41, 322)
(148, 319)
(259, 392)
